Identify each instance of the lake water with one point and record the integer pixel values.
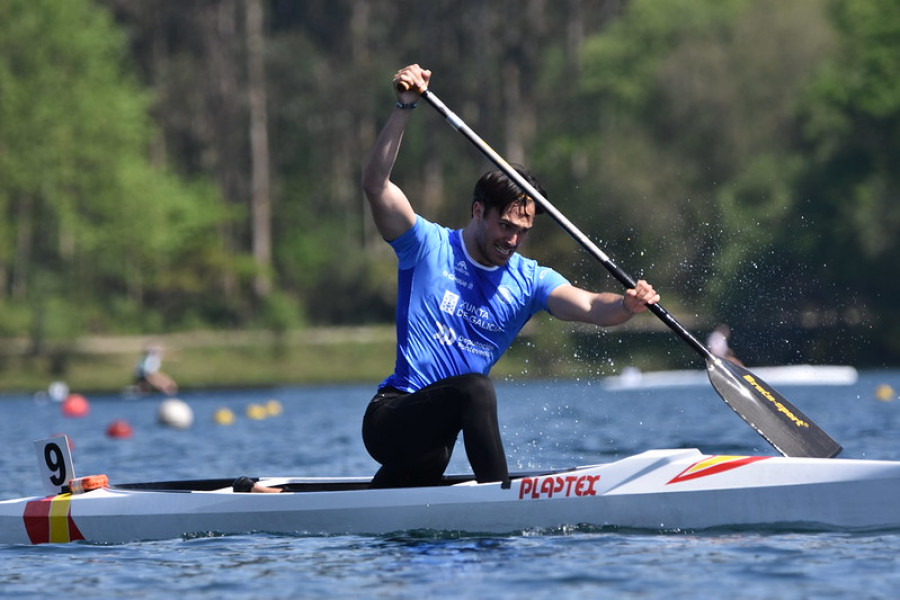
(545, 424)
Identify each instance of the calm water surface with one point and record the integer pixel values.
(545, 424)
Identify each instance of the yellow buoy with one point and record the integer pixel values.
(223, 416)
(256, 412)
(885, 393)
(273, 408)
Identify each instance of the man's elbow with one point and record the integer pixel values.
(372, 188)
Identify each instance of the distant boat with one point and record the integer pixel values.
(633, 378)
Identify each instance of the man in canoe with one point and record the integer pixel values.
(148, 375)
(717, 342)
(463, 296)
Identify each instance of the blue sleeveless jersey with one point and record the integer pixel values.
(455, 316)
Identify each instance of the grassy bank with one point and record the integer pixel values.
(260, 359)
(366, 355)
(207, 360)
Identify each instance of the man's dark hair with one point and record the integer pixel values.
(497, 191)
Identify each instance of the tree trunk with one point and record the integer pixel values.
(260, 200)
(22, 259)
(217, 125)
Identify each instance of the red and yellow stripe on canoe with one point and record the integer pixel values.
(49, 520)
(714, 464)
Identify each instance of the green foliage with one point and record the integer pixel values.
(724, 149)
(755, 208)
(696, 118)
(280, 313)
(851, 119)
(94, 217)
(620, 64)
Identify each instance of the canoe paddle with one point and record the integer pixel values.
(781, 424)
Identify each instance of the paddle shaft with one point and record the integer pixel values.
(624, 278)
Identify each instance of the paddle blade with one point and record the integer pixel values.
(769, 413)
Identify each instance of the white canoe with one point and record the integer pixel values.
(658, 490)
(633, 379)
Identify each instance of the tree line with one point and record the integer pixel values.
(194, 163)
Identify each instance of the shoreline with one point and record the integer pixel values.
(365, 354)
(204, 359)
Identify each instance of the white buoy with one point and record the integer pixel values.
(58, 391)
(175, 413)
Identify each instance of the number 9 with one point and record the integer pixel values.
(53, 457)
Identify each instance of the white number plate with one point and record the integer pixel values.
(54, 463)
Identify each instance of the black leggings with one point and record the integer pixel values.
(412, 435)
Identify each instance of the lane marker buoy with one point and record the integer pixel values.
(175, 413)
(885, 393)
(223, 416)
(274, 408)
(75, 406)
(256, 412)
(120, 429)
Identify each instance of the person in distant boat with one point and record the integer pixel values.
(148, 376)
(717, 342)
(463, 296)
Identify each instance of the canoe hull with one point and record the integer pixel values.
(659, 490)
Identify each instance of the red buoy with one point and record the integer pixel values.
(119, 429)
(76, 406)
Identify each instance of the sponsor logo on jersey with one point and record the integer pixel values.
(445, 335)
(458, 279)
(478, 316)
(449, 302)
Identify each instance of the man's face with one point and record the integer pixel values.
(499, 235)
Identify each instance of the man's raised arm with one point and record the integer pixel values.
(391, 209)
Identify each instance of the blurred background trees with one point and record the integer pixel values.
(194, 163)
